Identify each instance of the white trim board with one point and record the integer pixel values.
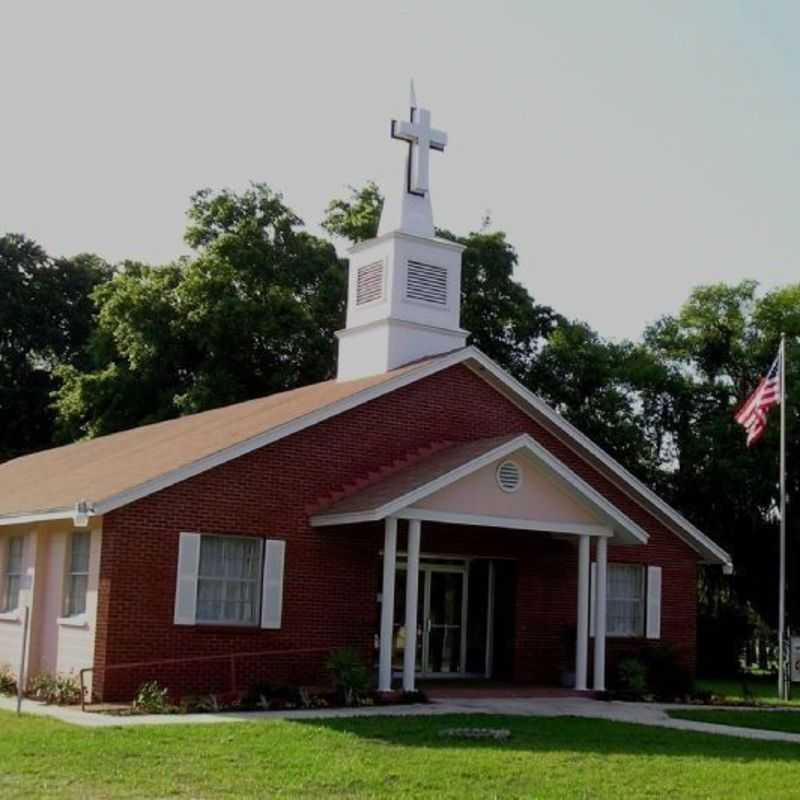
(483, 367)
(400, 506)
(512, 523)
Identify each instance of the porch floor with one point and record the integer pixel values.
(487, 689)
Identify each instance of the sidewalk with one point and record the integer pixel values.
(653, 714)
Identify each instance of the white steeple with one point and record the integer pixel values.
(404, 289)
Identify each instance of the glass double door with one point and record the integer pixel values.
(440, 619)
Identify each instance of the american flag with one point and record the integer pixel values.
(752, 416)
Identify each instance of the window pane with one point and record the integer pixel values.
(13, 585)
(15, 548)
(79, 561)
(211, 555)
(625, 599)
(228, 589)
(76, 598)
(240, 597)
(209, 600)
(13, 576)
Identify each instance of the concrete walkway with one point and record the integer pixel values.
(654, 714)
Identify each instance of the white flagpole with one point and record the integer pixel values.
(783, 679)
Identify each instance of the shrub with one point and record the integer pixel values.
(667, 678)
(152, 698)
(632, 678)
(350, 676)
(8, 681)
(60, 690)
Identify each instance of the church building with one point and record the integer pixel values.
(423, 507)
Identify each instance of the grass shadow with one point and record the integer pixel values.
(557, 734)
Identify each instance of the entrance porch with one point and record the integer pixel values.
(479, 617)
(494, 573)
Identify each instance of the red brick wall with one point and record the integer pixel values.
(331, 576)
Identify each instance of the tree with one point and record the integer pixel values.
(355, 218)
(46, 316)
(254, 312)
(721, 343)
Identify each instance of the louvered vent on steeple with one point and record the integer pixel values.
(426, 283)
(369, 285)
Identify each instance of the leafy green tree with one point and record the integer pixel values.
(721, 343)
(355, 218)
(254, 312)
(46, 316)
(605, 390)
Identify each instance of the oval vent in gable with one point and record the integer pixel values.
(509, 476)
(426, 282)
(369, 283)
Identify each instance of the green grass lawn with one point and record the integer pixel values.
(787, 721)
(390, 756)
(763, 688)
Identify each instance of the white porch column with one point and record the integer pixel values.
(582, 638)
(412, 590)
(600, 605)
(387, 606)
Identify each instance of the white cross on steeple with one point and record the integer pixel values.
(421, 139)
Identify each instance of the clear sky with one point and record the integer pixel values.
(631, 150)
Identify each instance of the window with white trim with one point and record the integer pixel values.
(13, 570)
(626, 598)
(229, 580)
(77, 582)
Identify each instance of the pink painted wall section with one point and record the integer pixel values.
(76, 641)
(540, 497)
(11, 625)
(55, 645)
(50, 591)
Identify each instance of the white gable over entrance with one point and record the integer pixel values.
(538, 497)
(558, 500)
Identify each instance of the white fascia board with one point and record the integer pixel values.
(40, 516)
(513, 523)
(522, 442)
(680, 525)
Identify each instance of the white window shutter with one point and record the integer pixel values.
(186, 584)
(654, 602)
(592, 597)
(272, 588)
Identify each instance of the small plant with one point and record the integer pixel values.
(152, 698)
(667, 677)
(632, 678)
(350, 676)
(8, 681)
(209, 703)
(59, 690)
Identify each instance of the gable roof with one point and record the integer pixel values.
(106, 472)
(402, 489)
(111, 471)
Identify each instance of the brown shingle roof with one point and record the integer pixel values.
(98, 469)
